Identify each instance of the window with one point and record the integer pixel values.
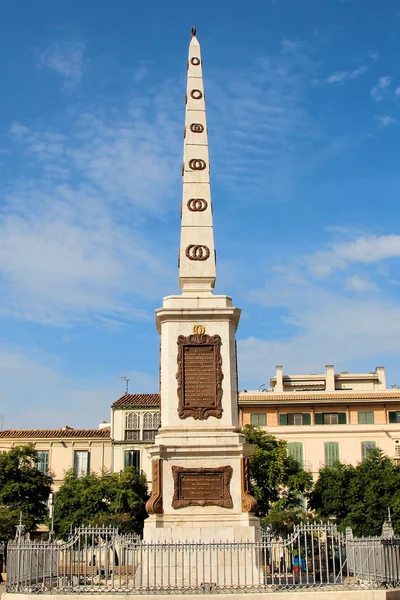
(81, 463)
(141, 427)
(331, 453)
(330, 418)
(132, 458)
(258, 419)
(295, 450)
(295, 419)
(132, 426)
(151, 422)
(394, 417)
(366, 418)
(42, 464)
(365, 448)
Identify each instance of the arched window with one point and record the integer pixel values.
(147, 421)
(132, 426)
(133, 421)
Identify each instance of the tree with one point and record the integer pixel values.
(23, 491)
(116, 499)
(277, 480)
(359, 496)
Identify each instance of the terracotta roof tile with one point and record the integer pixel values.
(267, 397)
(136, 400)
(55, 433)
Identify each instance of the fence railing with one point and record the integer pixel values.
(100, 560)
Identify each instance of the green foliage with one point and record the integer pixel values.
(282, 521)
(116, 499)
(359, 496)
(23, 489)
(278, 481)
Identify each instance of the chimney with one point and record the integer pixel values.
(381, 385)
(329, 378)
(279, 379)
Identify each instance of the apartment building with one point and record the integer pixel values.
(327, 417)
(59, 450)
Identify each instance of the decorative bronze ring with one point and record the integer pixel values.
(197, 252)
(196, 94)
(195, 61)
(196, 128)
(197, 204)
(197, 164)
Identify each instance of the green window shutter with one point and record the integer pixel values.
(331, 453)
(366, 447)
(342, 418)
(392, 417)
(283, 420)
(258, 419)
(88, 464)
(306, 419)
(132, 458)
(295, 450)
(318, 418)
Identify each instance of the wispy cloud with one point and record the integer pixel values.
(74, 240)
(365, 250)
(379, 90)
(66, 59)
(344, 320)
(342, 76)
(356, 283)
(386, 120)
(37, 379)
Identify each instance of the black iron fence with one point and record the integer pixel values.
(100, 560)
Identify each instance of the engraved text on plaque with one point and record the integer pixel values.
(199, 376)
(202, 487)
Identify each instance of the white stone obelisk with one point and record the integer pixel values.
(200, 467)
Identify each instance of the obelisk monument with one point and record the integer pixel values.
(200, 461)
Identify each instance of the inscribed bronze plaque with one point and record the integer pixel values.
(202, 487)
(199, 376)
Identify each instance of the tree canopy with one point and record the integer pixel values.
(23, 490)
(359, 496)
(278, 481)
(116, 499)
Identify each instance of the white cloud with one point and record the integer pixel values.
(66, 59)
(48, 398)
(379, 90)
(356, 283)
(343, 76)
(74, 240)
(397, 91)
(386, 120)
(365, 249)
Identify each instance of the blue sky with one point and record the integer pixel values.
(303, 103)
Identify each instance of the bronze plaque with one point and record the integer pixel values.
(202, 487)
(199, 376)
(194, 486)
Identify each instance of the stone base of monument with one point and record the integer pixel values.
(198, 566)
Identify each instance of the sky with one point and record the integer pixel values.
(303, 107)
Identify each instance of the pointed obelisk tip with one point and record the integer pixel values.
(193, 31)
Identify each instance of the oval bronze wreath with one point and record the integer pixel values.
(195, 61)
(197, 252)
(196, 128)
(197, 164)
(197, 204)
